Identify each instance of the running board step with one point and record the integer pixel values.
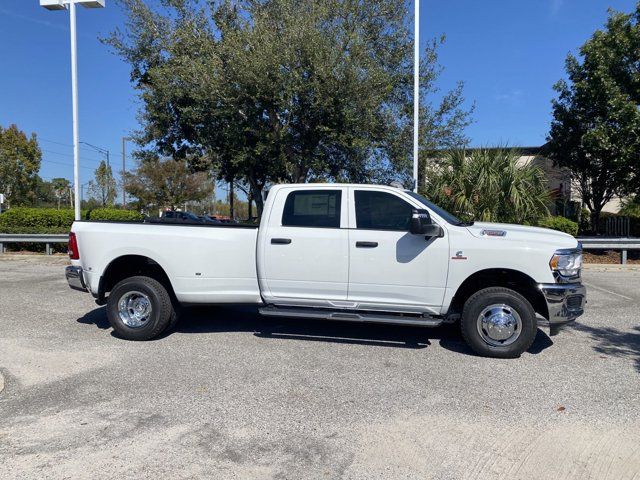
(326, 314)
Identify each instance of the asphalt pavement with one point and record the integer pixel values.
(231, 395)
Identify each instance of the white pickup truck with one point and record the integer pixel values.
(364, 253)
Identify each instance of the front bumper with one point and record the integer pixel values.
(75, 278)
(565, 301)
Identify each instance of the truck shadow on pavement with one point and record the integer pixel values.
(218, 319)
(614, 343)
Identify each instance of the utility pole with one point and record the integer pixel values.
(105, 152)
(416, 90)
(82, 190)
(71, 5)
(124, 170)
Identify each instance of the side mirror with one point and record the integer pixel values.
(421, 224)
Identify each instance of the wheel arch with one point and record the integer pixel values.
(500, 277)
(126, 266)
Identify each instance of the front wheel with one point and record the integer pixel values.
(139, 308)
(498, 322)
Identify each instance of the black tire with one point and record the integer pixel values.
(487, 297)
(161, 315)
(175, 316)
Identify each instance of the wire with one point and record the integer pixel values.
(82, 145)
(71, 156)
(67, 164)
(53, 141)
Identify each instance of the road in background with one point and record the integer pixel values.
(232, 395)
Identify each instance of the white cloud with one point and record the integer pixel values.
(512, 97)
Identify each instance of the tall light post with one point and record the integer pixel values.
(416, 90)
(71, 5)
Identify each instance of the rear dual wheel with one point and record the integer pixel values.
(498, 322)
(140, 308)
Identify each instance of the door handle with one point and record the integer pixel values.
(366, 244)
(280, 241)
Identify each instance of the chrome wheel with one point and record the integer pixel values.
(134, 309)
(499, 325)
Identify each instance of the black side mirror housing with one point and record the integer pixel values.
(421, 224)
(433, 230)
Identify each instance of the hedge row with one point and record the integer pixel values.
(51, 220)
(561, 224)
(115, 214)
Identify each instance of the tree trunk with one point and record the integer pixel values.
(300, 174)
(249, 207)
(256, 194)
(595, 219)
(231, 200)
(259, 205)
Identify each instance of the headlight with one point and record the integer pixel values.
(567, 263)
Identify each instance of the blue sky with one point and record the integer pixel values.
(509, 53)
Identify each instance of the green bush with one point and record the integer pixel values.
(630, 207)
(36, 220)
(561, 224)
(584, 224)
(52, 220)
(115, 214)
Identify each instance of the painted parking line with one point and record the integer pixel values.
(590, 285)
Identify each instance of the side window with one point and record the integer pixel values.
(382, 211)
(312, 208)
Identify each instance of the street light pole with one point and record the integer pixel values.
(61, 5)
(416, 90)
(74, 101)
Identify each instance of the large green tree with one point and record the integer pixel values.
(20, 158)
(160, 183)
(44, 193)
(596, 118)
(267, 91)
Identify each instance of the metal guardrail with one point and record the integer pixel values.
(47, 239)
(609, 243)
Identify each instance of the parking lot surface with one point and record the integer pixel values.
(229, 394)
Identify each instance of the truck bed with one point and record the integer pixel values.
(205, 263)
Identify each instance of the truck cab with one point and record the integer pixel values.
(349, 252)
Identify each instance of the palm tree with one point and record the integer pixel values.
(489, 185)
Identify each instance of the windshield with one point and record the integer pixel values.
(446, 216)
